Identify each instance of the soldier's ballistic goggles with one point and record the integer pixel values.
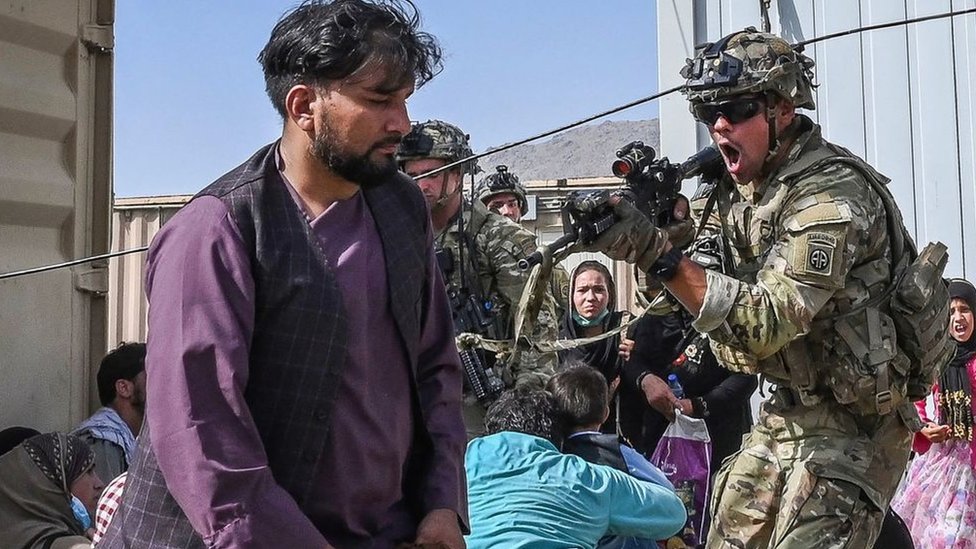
(735, 110)
(416, 143)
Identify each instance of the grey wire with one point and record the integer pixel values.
(421, 176)
(72, 263)
(804, 43)
(550, 132)
(799, 45)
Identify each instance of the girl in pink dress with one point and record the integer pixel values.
(937, 500)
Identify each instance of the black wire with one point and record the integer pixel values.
(799, 46)
(550, 132)
(421, 176)
(72, 263)
(802, 44)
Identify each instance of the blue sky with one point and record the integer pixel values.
(190, 102)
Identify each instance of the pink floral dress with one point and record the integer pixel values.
(937, 499)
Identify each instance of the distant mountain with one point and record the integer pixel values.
(586, 151)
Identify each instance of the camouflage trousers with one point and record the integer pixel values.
(809, 477)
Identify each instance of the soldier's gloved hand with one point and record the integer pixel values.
(633, 238)
(681, 230)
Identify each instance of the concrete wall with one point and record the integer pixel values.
(55, 198)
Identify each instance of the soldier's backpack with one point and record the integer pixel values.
(886, 351)
(918, 306)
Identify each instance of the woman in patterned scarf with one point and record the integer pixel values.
(48, 488)
(938, 498)
(592, 312)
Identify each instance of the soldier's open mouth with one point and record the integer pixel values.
(731, 155)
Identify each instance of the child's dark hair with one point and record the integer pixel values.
(580, 395)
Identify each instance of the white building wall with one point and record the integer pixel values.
(903, 97)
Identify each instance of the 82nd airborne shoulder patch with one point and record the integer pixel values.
(816, 252)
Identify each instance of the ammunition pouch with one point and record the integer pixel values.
(864, 369)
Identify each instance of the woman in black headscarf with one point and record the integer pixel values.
(48, 493)
(937, 500)
(592, 313)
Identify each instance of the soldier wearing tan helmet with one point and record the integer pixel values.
(478, 251)
(503, 194)
(810, 238)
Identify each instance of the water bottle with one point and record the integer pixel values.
(675, 386)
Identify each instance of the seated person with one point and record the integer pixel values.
(11, 437)
(108, 504)
(48, 493)
(592, 312)
(582, 405)
(112, 429)
(523, 492)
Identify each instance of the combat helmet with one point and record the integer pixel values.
(436, 139)
(500, 182)
(749, 61)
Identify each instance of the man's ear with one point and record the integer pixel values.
(785, 111)
(606, 414)
(124, 388)
(459, 176)
(299, 106)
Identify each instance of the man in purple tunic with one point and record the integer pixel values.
(304, 383)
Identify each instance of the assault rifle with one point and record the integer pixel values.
(473, 317)
(470, 316)
(650, 185)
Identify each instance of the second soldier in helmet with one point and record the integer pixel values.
(479, 251)
(505, 195)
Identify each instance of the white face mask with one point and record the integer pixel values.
(81, 513)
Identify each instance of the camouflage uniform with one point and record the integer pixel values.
(813, 473)
(503, 181)
(803, 248)
(486, 256)
(499, 244)
(560, 288)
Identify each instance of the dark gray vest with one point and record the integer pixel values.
(602, 449)
(294, 371)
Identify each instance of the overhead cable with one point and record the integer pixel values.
(799, 45)
(72, 263)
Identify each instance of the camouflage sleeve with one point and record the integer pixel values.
(560, 289)
(504, 243)
(825, 230)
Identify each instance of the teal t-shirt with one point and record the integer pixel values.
(524, 493)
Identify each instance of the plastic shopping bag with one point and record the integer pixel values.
(684, 454)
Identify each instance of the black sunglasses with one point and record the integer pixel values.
(735, 111)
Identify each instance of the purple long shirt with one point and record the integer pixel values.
(201, 318)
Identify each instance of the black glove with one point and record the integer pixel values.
(632, 238)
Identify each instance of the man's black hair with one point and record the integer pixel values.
(125, 362)
(324, 41)
(528, 411)
(579, 394)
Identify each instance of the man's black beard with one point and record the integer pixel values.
(358, 169)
